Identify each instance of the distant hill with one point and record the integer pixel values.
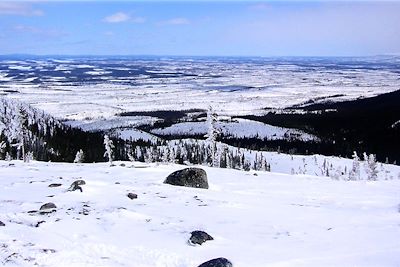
(362, 125)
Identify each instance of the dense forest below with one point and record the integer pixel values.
(363, 125)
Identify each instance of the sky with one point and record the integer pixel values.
(200, 28)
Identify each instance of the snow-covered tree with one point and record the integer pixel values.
(131, 157)
(212, 135)
(165, 155)
(2, 147)
(22, 132)
(354, 173)
(79, 157)
(372, 168)
(28, 156)
(109, 146)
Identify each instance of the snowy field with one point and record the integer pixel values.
(268, 219)
(80, 89)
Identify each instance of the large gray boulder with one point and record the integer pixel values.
(189, 177)
(218, 262)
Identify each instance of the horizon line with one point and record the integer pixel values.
(196, 56)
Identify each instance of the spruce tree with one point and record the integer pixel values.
(109, 146)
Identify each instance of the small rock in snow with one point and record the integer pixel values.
(39, 223)
(48, 250)
(76, 185)
(218, 262)
(199, 237)
(132, 196)
(54, 185)
(2, 224)
(48, 206)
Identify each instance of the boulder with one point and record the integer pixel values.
(199, 237)
(2, 224)
(132, 196)
(218, 262)
(76, 185)
(54, 185)
(189, 177)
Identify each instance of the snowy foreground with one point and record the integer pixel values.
(268, 219)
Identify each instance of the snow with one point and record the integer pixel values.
(111, 123)
(396, 124)
(270, 219)
(238, 87)
(18, 67)
(98, 72)
(134, 134)
(238, 128)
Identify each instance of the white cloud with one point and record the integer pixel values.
(123, 17)
(117, 17)
(19, 9)
(176, 21)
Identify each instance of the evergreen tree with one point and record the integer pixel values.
(79, 157)
(212, 135)
(22, 132)
(354, 173)
(109, 146)
(372, 168)
(3, 146)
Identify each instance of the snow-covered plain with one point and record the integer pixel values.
(89, 93)
(101, 88)
(268, 219)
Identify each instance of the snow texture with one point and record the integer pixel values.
(268, 219)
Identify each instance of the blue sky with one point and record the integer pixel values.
(224, 28)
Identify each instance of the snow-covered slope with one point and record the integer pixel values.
(265, 220)
(238, 128)
(12, 113)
